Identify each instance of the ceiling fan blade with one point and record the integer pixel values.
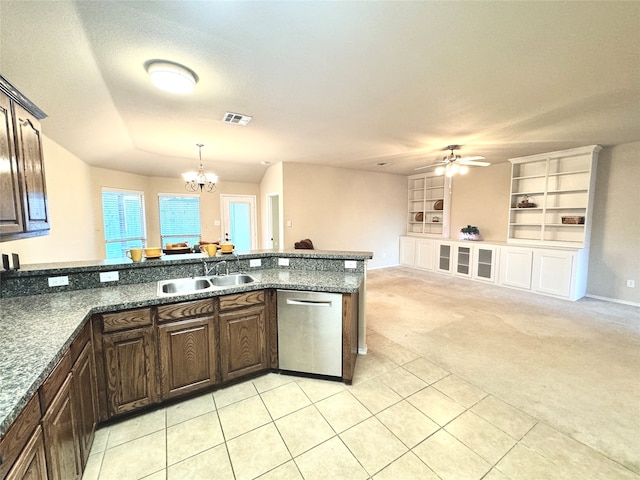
(429, 166)
(475, 164)
(466, 159)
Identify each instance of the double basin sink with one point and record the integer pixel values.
(186, 286)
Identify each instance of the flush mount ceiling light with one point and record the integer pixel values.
(171, 77)
(199, 180)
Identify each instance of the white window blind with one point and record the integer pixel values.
(179, 218)
(124, 224)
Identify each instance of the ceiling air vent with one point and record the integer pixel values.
(236, 118)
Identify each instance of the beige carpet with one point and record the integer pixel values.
(573, 365)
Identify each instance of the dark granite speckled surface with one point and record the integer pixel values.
(36, 330)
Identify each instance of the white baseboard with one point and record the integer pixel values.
(362, 351)
(614, 300)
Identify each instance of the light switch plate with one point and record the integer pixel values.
(283, 262)
(350, 264)
(109, 276)
(58, 281)
(255, 262)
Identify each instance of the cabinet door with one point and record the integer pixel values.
(407, 251)
(553, 272)
(515, 267)
(130, 370)
(31, 464)
(243, 342)
(463, 260)
(425, 254)
(34, 192)
(445, 257)
(484, 263)
(84, 397)
(60, 433)
(187, 356)
(10, 198)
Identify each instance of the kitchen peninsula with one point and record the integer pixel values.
(40, 331)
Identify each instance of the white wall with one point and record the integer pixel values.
(271, 184)
(614, 255)
(72, 236)
(341, 209)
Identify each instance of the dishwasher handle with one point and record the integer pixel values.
(309, 303)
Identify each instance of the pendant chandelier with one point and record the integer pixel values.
(199, 180)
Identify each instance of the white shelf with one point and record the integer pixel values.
(559, 182)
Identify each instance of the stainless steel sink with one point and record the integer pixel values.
(231, 280)
(183, 285)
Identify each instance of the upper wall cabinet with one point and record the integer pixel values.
(552, 196)
(23, 196)
(429, 204)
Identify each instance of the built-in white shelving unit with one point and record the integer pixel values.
(428, 207)
(561, 186)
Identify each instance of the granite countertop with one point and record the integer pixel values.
(36, 330)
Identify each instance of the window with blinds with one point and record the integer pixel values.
(179, 218)
(124, 224)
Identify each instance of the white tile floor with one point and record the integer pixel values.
(404, 418)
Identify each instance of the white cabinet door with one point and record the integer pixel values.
(515, 267)
(407, 251)
(484, 263)
(553, 272)
(463, 258)
(425, 254)
(444, 252)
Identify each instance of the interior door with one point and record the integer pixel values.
(273, 210)
(239, 221)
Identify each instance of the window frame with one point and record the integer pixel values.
(167, 238)
(143, 219)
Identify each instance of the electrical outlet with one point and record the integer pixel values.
(283, 262)
(58, 281)
(109, 276)
(255, 262)
(631, 283)
(350, 264)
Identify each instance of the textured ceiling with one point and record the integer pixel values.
(347, 84)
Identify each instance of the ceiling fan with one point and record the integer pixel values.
(452, 163)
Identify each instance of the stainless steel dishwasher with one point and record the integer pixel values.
(310, 332)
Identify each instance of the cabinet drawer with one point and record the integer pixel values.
(112, 322)
(20, 431)
(54, 381)
(229, 302)
(179, 311)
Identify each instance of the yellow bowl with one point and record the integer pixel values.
(226, 247)
(152, 252)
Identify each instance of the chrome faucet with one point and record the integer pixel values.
(226, 267)
(208, 270)
(239, 269)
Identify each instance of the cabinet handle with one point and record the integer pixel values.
(309, 303)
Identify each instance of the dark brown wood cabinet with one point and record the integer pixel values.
(187, 348)
(31, 464)
(62, 446)
(84, 399)
(130, 369)
(20, 452)
(24, 210)
(244, 341)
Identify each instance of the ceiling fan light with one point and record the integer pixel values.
(172, 77)
(439, 170)
(464, 170)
